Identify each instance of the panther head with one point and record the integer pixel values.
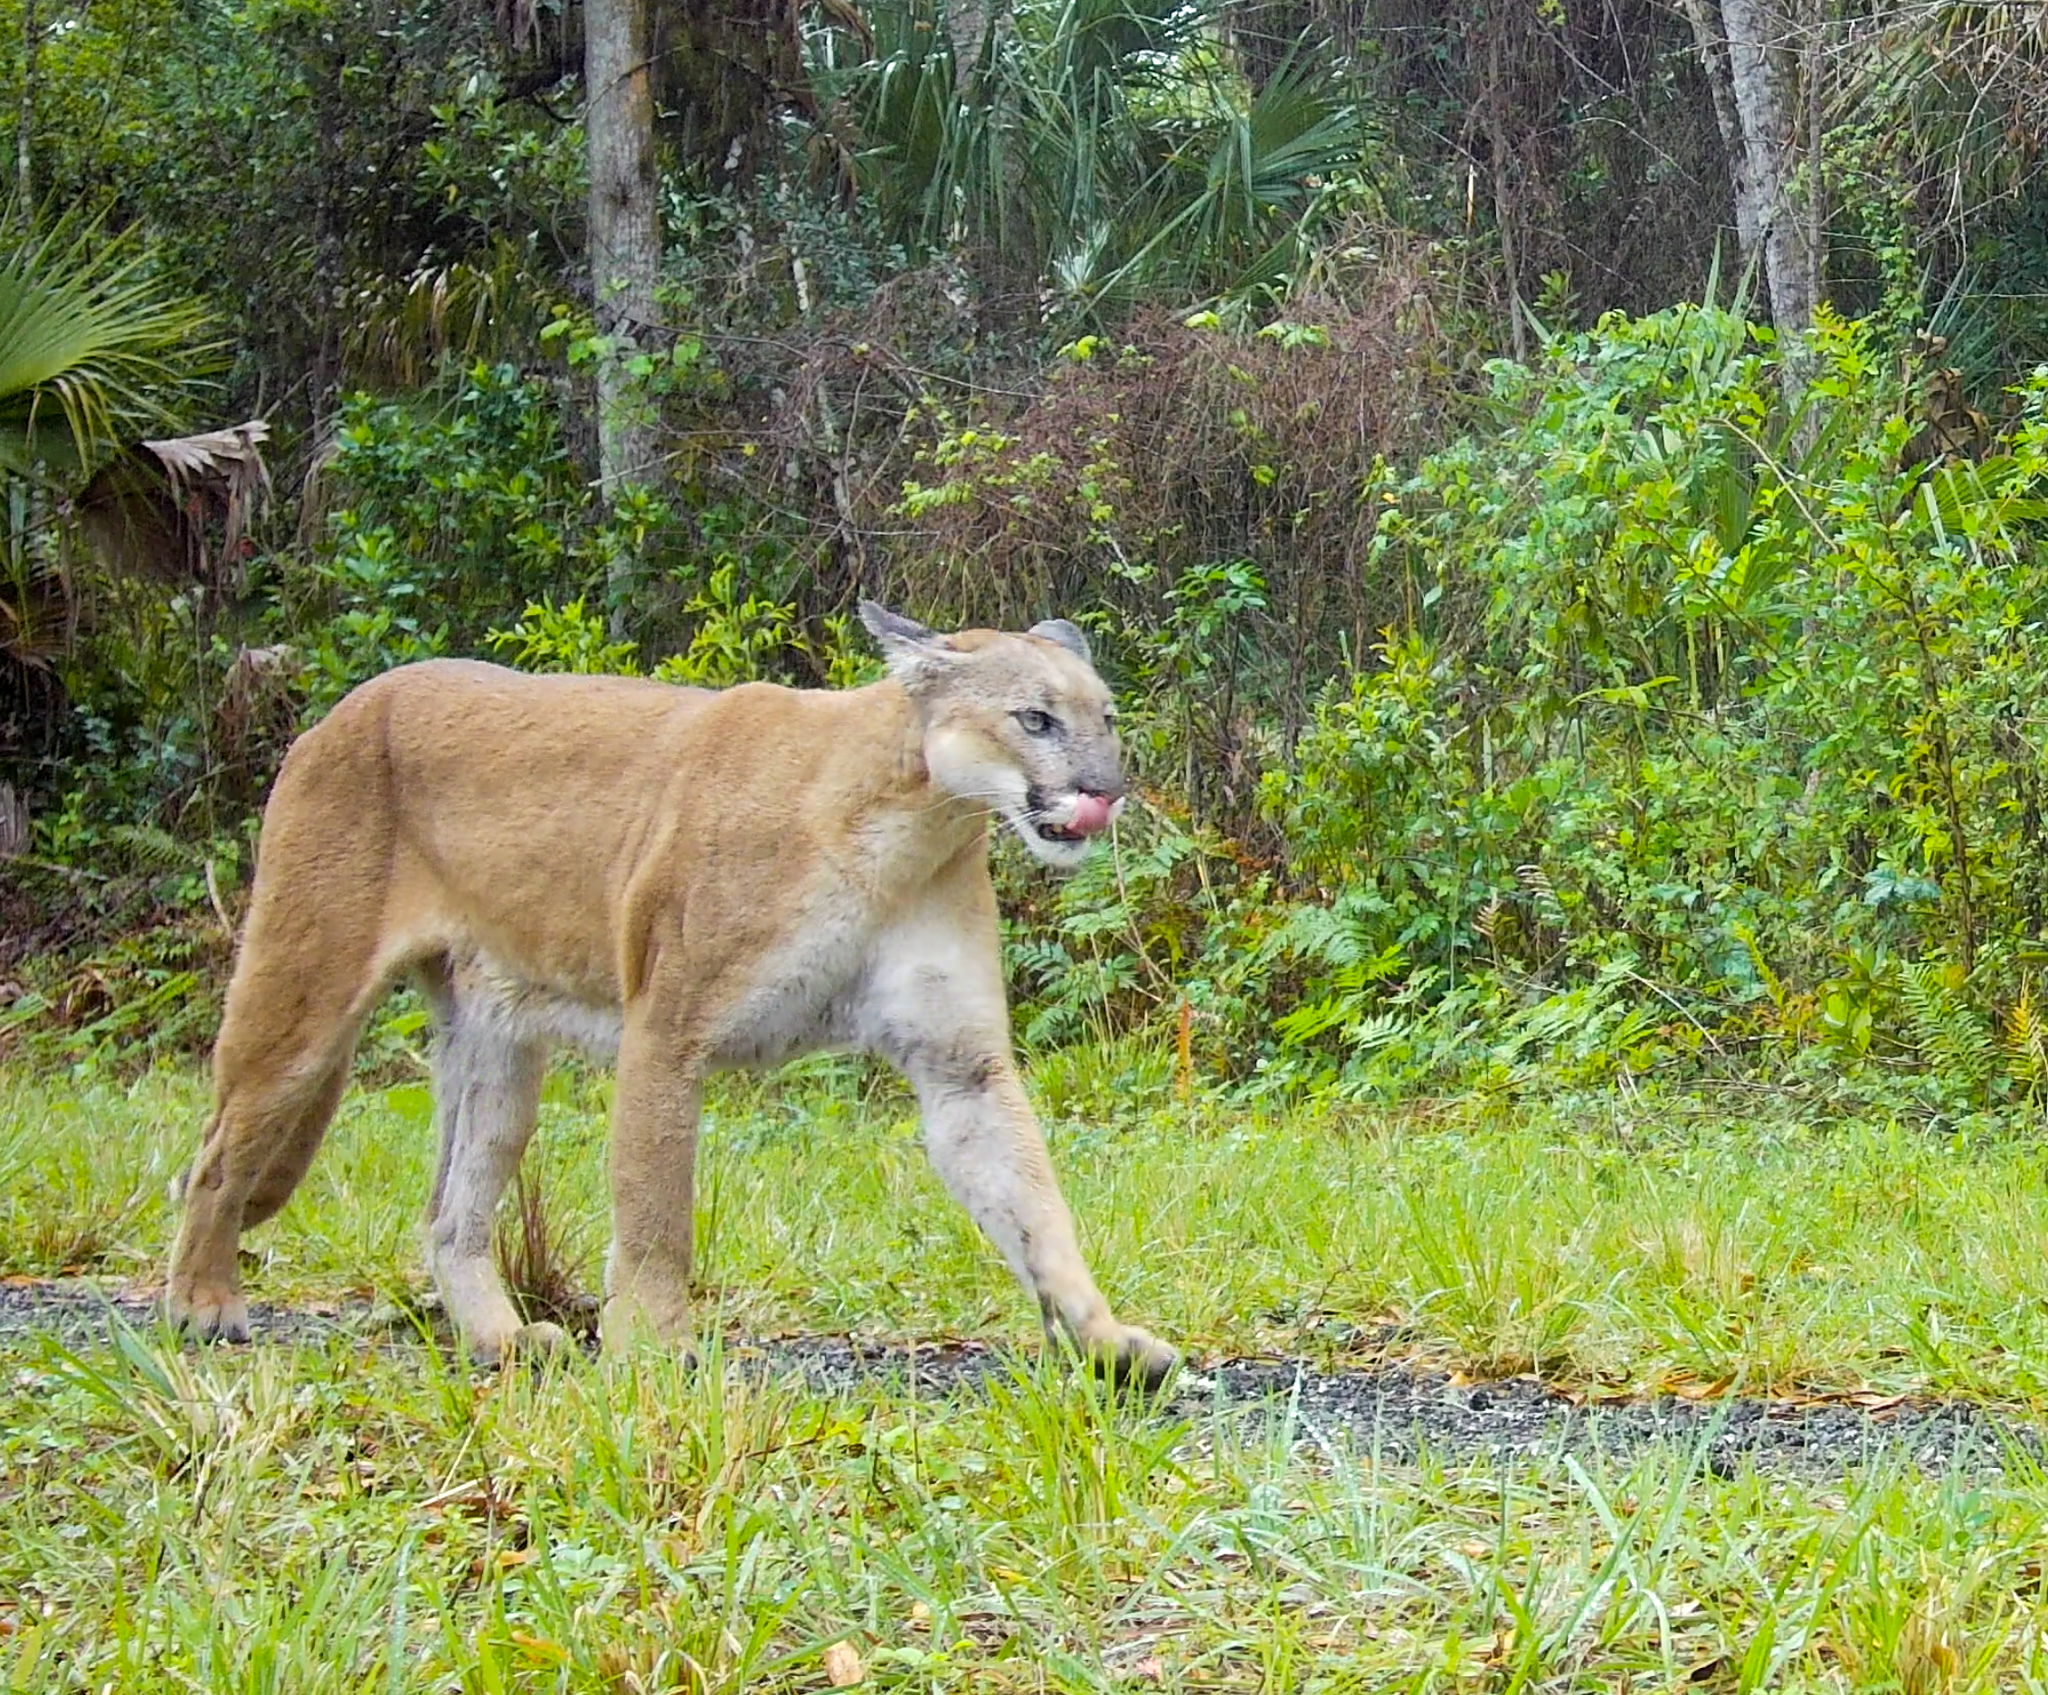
(1020, 723)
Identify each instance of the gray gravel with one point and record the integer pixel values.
(78, 1311)
(1395, 1410)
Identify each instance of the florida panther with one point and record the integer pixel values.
(691, 879)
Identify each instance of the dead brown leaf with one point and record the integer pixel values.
(842, 1666)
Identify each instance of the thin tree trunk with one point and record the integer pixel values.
(1813, 67)
(25, 114)
(1757, 58)
(625, 251)
(1705, 19)
(330, 219)
(967, 24)
(1503, 201)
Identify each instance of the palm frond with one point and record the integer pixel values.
(150, 511)
(90, 343)
(1107, 145)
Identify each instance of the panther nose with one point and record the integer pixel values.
(1110, 789)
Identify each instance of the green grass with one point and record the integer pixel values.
(361, 1517)
(1631, 1242)
(352, 1520)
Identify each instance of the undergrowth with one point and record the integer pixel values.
(1670, 727)
(330, 1519)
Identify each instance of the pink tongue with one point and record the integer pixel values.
(1091, 814)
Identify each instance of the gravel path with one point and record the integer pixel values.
(1394, 1410)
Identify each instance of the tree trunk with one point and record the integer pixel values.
(1758, 74)
(1745, 46)
(625, 252)
(329, 67)
(25, 116)
(967, 27)
(1503, 200)
(1704, 17)
(1813, 66)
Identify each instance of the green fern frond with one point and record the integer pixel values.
(1954, 1040)
(156, 849)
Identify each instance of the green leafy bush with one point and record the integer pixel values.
(1715, 738)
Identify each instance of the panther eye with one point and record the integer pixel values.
(1037, 723)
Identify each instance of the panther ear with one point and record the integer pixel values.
(913, 651)
(1066, 635)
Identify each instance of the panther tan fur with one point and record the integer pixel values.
(692, 879)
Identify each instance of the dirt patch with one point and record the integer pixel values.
(1394, 1412)
(81, 1313)
(1399, 1411)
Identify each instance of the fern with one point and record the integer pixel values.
(1337, 938)
(156, 849)
(1954, 1040)
(1348, 934)
(1381, 1030)
(1317, 1018)
(2026, 1044)
(1324, 935)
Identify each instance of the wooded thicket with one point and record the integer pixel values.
(1559, 486)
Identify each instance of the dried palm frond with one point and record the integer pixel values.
(36, 611)
(404, 328)
(255, 717)
(153, 511)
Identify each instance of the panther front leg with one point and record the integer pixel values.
(986, 1145)
(937, 1014)
(653, 1179)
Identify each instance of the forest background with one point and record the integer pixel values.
(1558, 487)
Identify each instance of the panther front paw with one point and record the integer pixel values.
(528, 1341)
(210, 1312)
(1129, 1356)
